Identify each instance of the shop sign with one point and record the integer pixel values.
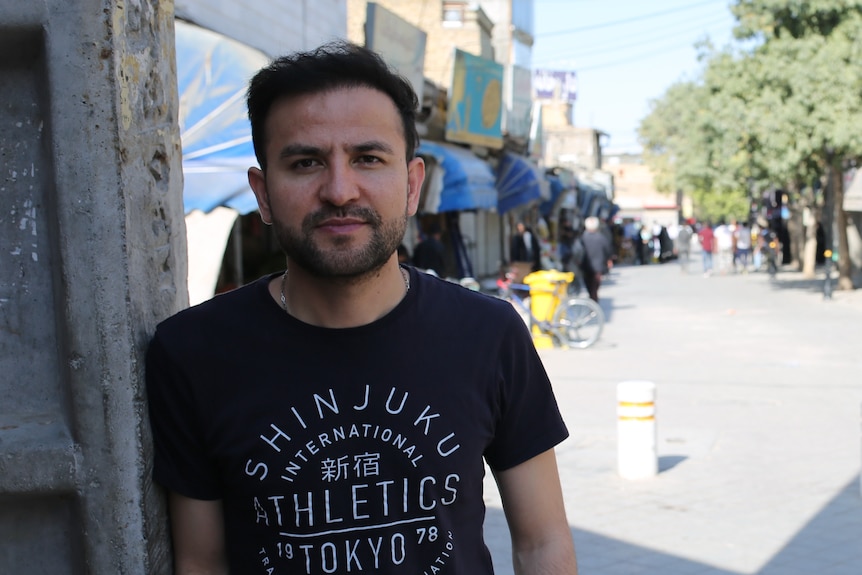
(475, 108)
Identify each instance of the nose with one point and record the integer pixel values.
(340, 185)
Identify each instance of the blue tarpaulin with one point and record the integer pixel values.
(212, 77)
(592, 198)
(557, 189)
(563, 186)
(467, 183)
(518, 182)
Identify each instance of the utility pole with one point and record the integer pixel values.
(828, 218)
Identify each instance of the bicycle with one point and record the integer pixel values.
(575, 322)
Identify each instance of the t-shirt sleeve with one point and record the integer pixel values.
(180, 461)
(529, 422)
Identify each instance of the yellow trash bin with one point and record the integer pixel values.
(547, 289)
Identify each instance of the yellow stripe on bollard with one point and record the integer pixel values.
(650, 404)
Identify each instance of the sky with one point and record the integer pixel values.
(625, 53)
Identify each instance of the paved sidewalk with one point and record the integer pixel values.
(759, 397)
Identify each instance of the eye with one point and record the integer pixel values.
(369, 159)
(304, 163)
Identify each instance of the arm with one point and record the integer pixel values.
(533, 503)
(198, 534)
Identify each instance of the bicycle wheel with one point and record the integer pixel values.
(578, 323)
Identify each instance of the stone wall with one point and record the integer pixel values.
(93, 258)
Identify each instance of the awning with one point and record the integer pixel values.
(212, 77)
(562, 196)
(519, 182)
(592, 198)
(467, 181)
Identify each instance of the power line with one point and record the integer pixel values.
(655, 34)
(626, 21)
(639, 57)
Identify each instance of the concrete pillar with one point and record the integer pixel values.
(637, 438)
(93, 256)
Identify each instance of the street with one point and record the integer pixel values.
(759, 397)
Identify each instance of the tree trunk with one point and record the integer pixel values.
(811, 219)
(795, 228)
(845, 280)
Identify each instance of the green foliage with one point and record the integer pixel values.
(794, 19)
(774, 110)
(732, 205)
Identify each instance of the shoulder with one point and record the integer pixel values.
(442, 297)
(223, 312)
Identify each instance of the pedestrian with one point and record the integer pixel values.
(631, 241)
(682, 245)
(403, 254)
(757, 241)
(706, 237)
(336, 417)
(742, 249)
(724, 245)
(597, 259)
(525, 247)
(429, 254)
(665, 245)
(567, 237)
(646, 244)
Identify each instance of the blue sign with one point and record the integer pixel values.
(475, 114)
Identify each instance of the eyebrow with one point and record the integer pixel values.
(373, 146)
(309, 150)
(299, 150)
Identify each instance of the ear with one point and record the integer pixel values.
(257, 181)
(415, 177)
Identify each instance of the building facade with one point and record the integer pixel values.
(483, 30)
(636, 195)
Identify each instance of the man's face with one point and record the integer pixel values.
(337, 188)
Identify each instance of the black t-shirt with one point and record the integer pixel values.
(353, 450)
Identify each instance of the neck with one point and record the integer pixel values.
(334, 303)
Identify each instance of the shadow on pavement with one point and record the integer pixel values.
(791, 279)
(607, 305)
(667, 462)
(830, 543)
(599, 554)
(813, 285)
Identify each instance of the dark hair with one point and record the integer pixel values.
(331, 66)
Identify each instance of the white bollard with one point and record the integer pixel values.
(637, 455)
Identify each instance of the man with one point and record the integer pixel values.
(724, 246)
(683, 246)
(707, 247)
(525, 247)
(742, 241)
(334, 418)
(567, 237)
(429, 253)
(598, 253)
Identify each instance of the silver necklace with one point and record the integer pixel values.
(404, 274)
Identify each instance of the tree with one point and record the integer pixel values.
(784, 108)
(816, 43)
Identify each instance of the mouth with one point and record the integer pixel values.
(340, 225)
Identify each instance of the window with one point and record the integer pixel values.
(453, 14)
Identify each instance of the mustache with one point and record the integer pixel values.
(356, 212)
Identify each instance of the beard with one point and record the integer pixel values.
(342, 260)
